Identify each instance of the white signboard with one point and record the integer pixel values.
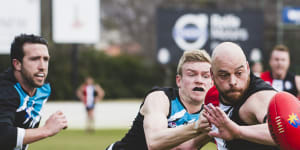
(18, 17)
(291, 15)
(76, 21)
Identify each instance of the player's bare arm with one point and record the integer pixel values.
(195, 143)
(252, 112)
(100, 93)
(257, 106)
(203, 138)
(200, 140)
(228, 129)
(297, 80)
(157, 133)
(55, 123)
(79, 92)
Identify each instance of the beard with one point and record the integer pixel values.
(233, 95)
(29, 79)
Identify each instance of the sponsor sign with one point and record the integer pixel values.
(180, 30)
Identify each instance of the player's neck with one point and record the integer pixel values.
(25, 86)
(225, 102)
(278, 76)
(192, 106)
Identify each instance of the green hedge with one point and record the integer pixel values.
(120, 76)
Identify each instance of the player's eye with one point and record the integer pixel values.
(206, 76)
(238, 74)
(191, 73)
(224, 76)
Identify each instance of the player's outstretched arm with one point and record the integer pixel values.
(201, 139)
(55, 123)
(297, 80)
(195, 143)
(229, 130)
(157, 133)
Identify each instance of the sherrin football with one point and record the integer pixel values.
(283, 120)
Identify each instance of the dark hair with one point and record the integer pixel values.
(16, 49)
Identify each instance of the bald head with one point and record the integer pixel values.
(228, 53)
(230, 71)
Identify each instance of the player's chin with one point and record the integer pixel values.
(234, 95)
(198, 97)
(39, 83)
(198, 93)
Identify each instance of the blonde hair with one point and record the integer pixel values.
(281, 47)
(193, 56)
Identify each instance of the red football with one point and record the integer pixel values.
(283, 121)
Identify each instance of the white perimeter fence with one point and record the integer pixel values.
(107, 114)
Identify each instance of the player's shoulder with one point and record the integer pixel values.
(8, 94)
(156, 97)
(170, 93)
(161, 95)
(6, 87)
(297, 78)
(263, 95)
(156, 100)
(212, 96)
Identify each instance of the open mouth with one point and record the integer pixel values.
(201, 89)
(40, 75)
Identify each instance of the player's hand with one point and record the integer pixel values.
(55, 123)
(227, 129)
(202, 124)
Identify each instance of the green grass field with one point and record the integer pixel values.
(80, 140)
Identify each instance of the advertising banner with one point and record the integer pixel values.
(291, 15)
(18, 17)
(180, 30)
(76, 21)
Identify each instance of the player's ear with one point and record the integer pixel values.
(211, 73)
(270, 59)
(248, 66)
(178, 79)
(16, 64)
